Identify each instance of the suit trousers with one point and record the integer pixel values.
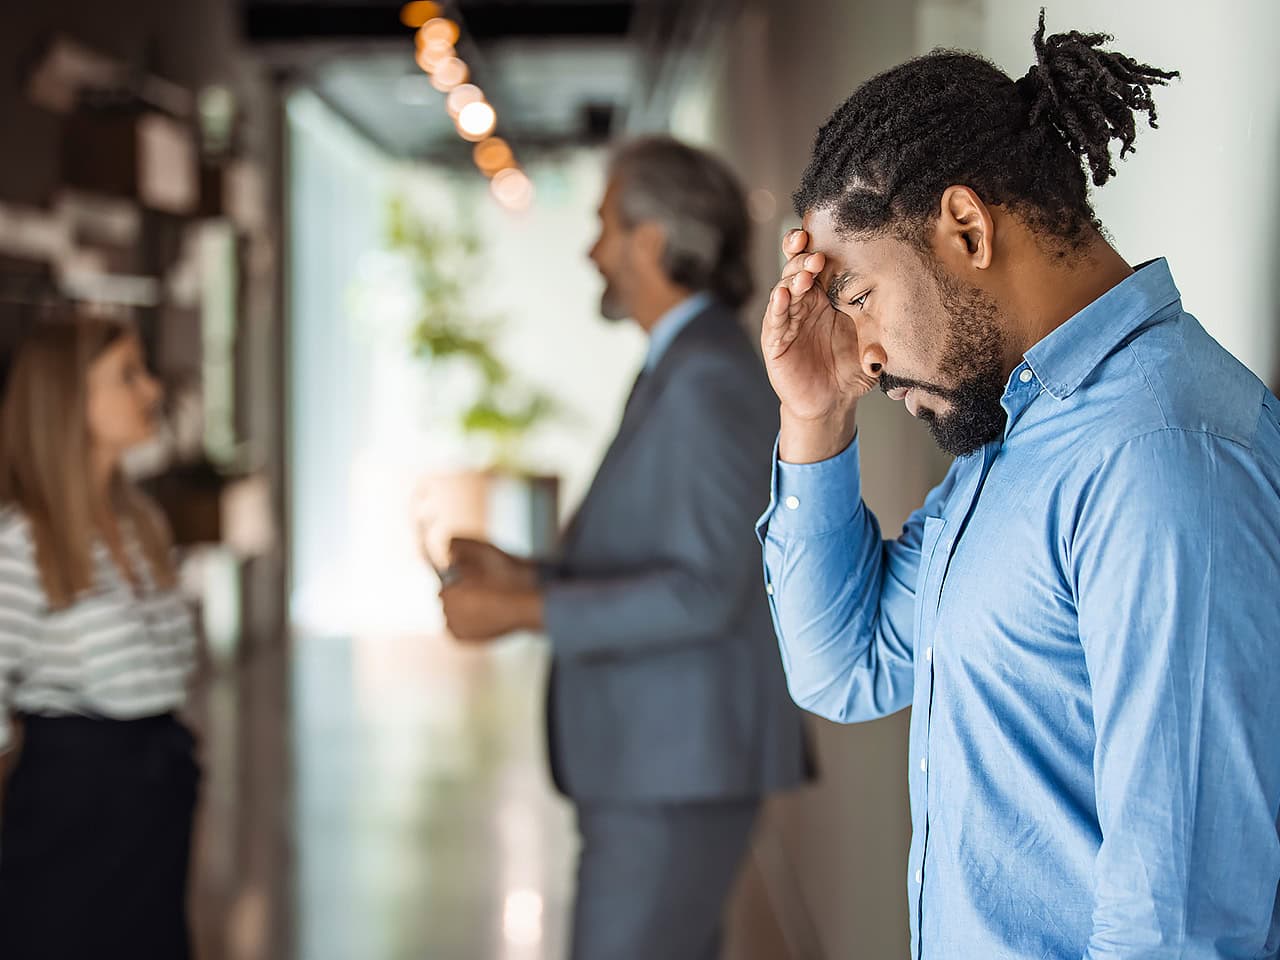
(653, 879)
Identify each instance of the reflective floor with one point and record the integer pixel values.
(426, 826)
(387, 799)
(414, 819)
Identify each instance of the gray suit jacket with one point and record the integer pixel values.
(667, 683)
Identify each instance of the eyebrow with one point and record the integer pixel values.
(837, 284)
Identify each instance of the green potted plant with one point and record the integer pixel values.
(490, 406)
(504, 410)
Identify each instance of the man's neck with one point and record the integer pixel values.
(1055, 292)
(657, 305)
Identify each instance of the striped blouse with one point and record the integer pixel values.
(112, 653)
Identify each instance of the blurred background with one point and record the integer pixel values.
(355, 246)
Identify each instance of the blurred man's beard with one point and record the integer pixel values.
(612, 307)
(974, 361)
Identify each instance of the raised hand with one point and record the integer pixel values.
(813, 357)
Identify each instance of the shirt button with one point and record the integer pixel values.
(928, 654)
(919, 876)
(1025, 376)
(924, 765)
(768, 589)
(793, 503)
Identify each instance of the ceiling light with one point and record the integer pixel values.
(418, 12)
(429, 58)
(476, 120)
(493, 155)
(448, 74)
(513, 189)
(439, 29)
(460, 97)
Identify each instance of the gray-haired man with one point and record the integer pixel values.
(669, 717)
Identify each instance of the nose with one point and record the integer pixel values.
(871, 354)
(155, 389)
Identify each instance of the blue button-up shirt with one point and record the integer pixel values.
(1085, 616)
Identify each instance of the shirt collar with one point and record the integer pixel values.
(1063, 359)
(671, 323)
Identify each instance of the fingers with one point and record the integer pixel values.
(801, 283)
(799, 276)
(773, 329)
(779, 328)
(794, 242)
(810, 262)
(786, 298)
(780, 301)
(794, 245)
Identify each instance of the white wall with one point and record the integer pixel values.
(337, 186)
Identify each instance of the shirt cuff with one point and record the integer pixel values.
(809, 499)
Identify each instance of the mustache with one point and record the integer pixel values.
(889, 382)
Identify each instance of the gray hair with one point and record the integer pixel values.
(699, 203)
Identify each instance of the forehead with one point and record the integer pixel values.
(860, 255)
(124, 348)
(610, 197)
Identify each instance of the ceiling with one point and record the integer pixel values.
(291, 20)
(558, 72)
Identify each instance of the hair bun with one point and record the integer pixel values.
(1090, 95)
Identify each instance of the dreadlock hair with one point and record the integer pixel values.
(882, 161)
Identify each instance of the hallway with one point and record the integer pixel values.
(418, 818)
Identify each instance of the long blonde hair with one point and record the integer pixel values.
(45, 457)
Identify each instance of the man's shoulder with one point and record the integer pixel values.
(714, 383)
(715, 344)
(1175, 377)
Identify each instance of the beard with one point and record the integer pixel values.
(613, 306)
(974, 361)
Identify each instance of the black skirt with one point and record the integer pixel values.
(95, 840)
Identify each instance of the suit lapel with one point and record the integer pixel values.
(641, 399)
(647, 389)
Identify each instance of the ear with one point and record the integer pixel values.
(650, 241)
(966, 231)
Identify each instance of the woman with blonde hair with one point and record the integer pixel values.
(95, 650)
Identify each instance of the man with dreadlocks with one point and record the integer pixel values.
(1083, 614)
